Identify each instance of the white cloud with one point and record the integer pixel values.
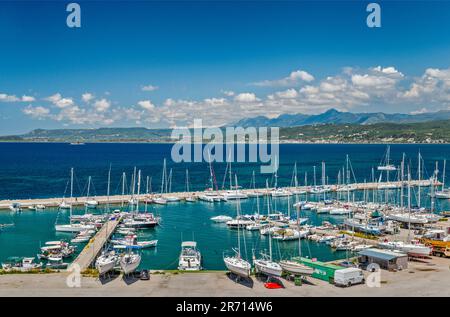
(287, 94)
(59, 101)
(146, 104)
(293, 79)
(36, 112)
(149, 88)
(13, 98)
(102, 105)
(87, 97)
(346, 90)
(228, 93)
(246, 97)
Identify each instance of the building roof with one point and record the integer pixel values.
(381, 254)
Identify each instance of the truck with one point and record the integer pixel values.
(348, 277)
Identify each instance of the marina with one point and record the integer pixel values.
(269, 230)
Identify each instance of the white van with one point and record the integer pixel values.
(348, 276)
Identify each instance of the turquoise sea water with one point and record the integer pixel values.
(42, 170)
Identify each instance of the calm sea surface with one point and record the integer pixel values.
(42, 170)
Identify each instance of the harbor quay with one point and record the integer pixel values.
(422, 278)
(123, 199)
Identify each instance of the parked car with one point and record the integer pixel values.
(145, 275)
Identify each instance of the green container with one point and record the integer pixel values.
(298, 281)
(322, 271)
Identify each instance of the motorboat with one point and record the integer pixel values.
(340, 211)
(23, 264)
(190, 257)
(280, 192)
(74, 227)
(232, 195)
(221, 218)
(132, 242)
(241, 223)
(91, 203)
(15, 207)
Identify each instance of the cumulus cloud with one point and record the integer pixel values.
(346, 90)
(102, 105)
(149, 88)
(87, 97)
(36, 112)
(293, 79)
(59, 101)
(246, 97)
(146, 104)
(13, 98)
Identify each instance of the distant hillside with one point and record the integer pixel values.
(334, 116)
(421, 132)
(93, 135)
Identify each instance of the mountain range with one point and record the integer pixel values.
(333, 116)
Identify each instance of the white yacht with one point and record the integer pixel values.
(190, 257)
(129, 262)
(221, 218)
(413, 248)
(106, 262)
(296, 268)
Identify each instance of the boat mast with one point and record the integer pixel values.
(238, 224)
(71, 194)
(123, 186)
(229, 172)
(443, 175)
(146, 190)
(109, 182)
(71, 184)
(187, 180)
(348, 178)
(314, 176)
(138, 191)
(402, 178)
(409, 204)
(420, 179)
(298, 229)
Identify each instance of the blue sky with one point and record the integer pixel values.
(219, 61)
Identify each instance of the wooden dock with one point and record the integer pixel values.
(123, 199)
(95, 245)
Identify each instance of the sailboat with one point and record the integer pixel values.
(236, 264)
(106, 262)
(189, 199)
(266, 265)
(129, 262)
(295, 267)
(410, 247)
(385, 164)
(73, 227)
(444, 193)
(90, 203)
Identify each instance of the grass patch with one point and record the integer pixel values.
(90, 273)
